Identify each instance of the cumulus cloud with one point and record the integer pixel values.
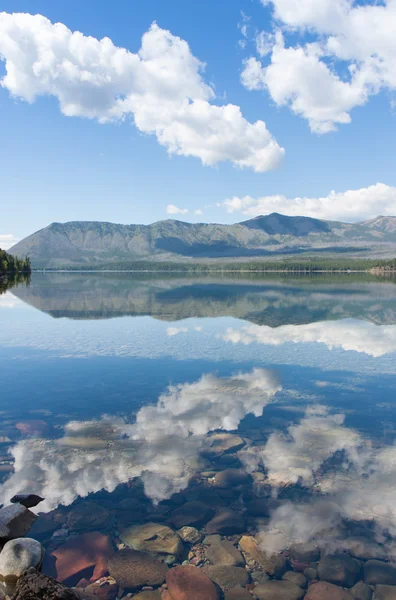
(7, 240)
(160, 87)
(350, 206)
(171, 209)
(348, 334)
(162, 446)
(351, 57)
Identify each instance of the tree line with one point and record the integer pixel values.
(12, 265)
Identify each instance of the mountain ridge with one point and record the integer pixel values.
(267, 237)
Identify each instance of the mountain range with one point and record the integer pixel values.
(274, 236)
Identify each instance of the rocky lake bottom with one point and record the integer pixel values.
(198, 439)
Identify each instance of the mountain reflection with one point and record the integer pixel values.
(263, 301)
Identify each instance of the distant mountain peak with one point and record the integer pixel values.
(277, 224)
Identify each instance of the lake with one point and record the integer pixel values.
(238, 405)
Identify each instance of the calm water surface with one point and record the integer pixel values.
(115, 387)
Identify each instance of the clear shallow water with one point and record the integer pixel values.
(106, 378)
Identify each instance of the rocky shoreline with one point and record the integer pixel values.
(206, 542)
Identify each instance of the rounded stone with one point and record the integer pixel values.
(190, 535)
(16, 557)
(132, 569)
(361, 591)
(190, 583)
(156, 539)
(378, 572)
(227, 577)
(88, 516)
(297, 578)
(385, 592)
(278, 590)
(231, 478)
(339, 569)
(327, 591)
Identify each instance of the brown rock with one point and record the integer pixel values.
(103, 591)
(305, 553)
(227, 577)
(192, 513)
(327, 591)
(238, 593)
(231, 478)
(278, 590)
(132, 569)
(378, 572)
(88, 516)
(226, 522)
(223, 552)
(297, 578)
(361, 591)
(273, 564)
(222, 443)
(35, 586)
(190, 583)
(340, 569)
(385, 592)
(86, 554)
(158, 540)
(148, 595)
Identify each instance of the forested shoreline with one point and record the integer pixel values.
(11, 265)
(308, 265)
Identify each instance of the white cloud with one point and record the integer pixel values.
(171, 209)
(161, 88)
(171, 331)
(198, 211)
(351, 58)
(350, 206)
(348, 334)
(162, 446)
(7, 240)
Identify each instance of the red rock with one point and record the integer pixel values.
(84, 556)
(104, 591)
(327, 591)
(190, 583)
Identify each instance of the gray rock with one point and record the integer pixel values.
(226, 522)
(278, 590)
(363, 549)
(156, 539)
(238, 593)
(297, 578)
(311, 573)
(223, 552)
(361, 591)
(378, 572)
(27, 500)
(15, 521)
(339, 569)
(222, 443)
(193, 514)
(305, 553)
(385, 592)
(88, 516)
(132, 569)
(190, 535)
(259, 576)
(227, 577)
(16, 557)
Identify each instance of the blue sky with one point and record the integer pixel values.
(60, 168)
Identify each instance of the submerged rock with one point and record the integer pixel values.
(231, 478)
(190, 583)
(378, 572)
(385, 592)
(226, 522)
(361, 591)
(238, 593)
(297, 578)
(15, 521)
(327, 591)
(71, 561)
(305, 553)
(191, 514)
(223, 552)
(190, 535)
(158, 540)
(35, 586)
(340, 569)
(88, 516)
(274, 565)
(227, 577)
(132, 569)
(222, 443)
(278, 590)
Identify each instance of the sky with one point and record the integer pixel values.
(136, 111)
